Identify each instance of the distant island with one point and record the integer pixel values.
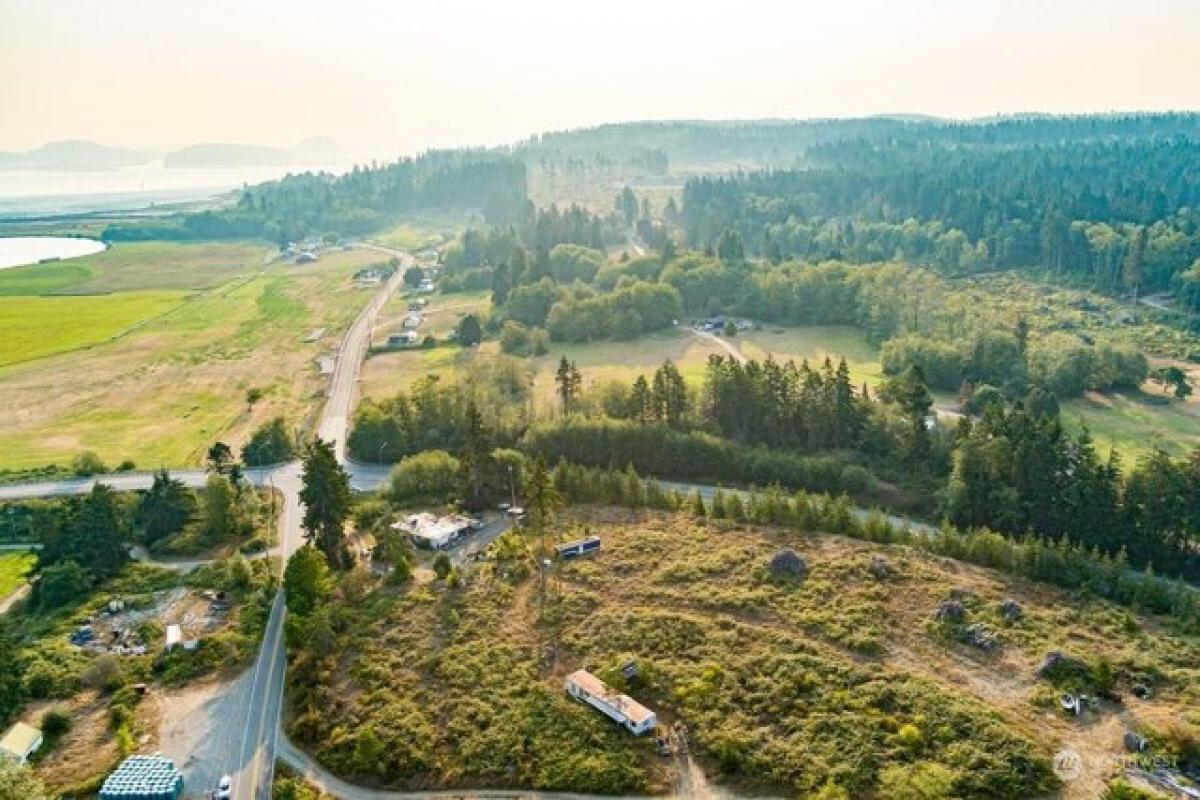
(74, 155)
(227, 155)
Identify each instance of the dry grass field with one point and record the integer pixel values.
(163, 388)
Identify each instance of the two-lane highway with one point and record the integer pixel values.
(255, 764)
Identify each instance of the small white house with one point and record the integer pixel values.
(629, 713)
(20, 742)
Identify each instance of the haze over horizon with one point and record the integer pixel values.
(387, 82)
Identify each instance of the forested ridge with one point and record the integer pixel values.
(1112, 200)
(360, 201)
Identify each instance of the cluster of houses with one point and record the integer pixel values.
(302, 252)
(409, 335)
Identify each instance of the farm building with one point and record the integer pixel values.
(412, 321)
(402, 339)
(144, 778)
(434, 533)
(20, 742)
(629, 713)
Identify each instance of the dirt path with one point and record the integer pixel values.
(14, 597)
(726, 345)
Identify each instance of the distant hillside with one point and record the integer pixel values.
(227, 155)
(74, 154)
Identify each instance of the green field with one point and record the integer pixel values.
(34, 327)
(1134, 426)
(174, 382)
(14, 566)
(815, 344)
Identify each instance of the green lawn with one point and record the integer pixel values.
(14, 566)
(34, 327)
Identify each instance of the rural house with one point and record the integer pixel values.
(632, 715)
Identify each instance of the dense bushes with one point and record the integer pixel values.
(430, 476)
(661, 451)
(626, 313)
(518, 340)
(271, 443)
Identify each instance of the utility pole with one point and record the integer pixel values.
(512, 488)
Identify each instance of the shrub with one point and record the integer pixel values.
(271, 443)
(430, 475)
(55, 722)
(87, 464)
(106, 674)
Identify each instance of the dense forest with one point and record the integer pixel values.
(1110, 200)
(355, 203)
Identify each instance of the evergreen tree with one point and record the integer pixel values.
(641, 403)
(909, 392)
(470, 332)
(165, 508)
(476, 465)
(569, 381)
(91, 534)
(326, 498)
(12, 692)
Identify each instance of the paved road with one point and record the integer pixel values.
(255, 766)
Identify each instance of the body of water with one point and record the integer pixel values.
(26, 193)
(16, 251)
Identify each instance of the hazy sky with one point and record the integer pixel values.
(399, 76)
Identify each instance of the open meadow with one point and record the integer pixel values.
(151, 354)
(385, 374)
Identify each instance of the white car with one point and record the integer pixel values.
(224, 789)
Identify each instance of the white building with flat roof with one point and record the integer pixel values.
(20, 742)
(433, 532)
(629, 713)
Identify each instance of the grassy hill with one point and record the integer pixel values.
(842, 681)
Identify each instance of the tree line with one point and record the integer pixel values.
(1018, 472)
